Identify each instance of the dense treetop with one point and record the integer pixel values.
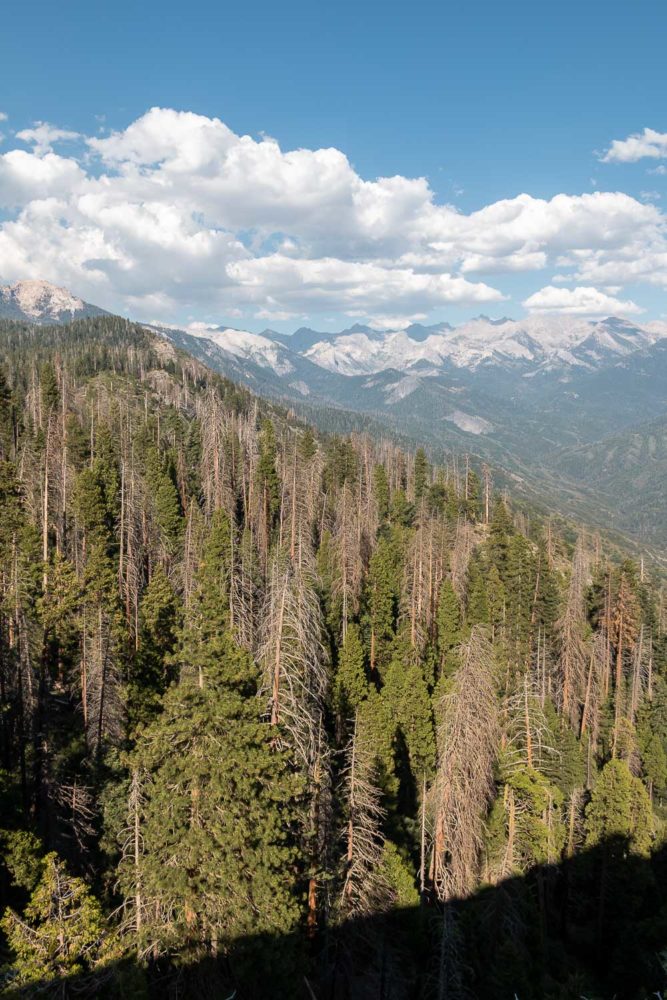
(259, 685)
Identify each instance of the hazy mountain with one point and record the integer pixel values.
(532, 342)
(41, 302)
(539, 397)
(628, 471)
(266, 366)
(559, 402)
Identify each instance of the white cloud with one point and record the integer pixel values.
(523, 260)
(364, 286)
(396, 322)
(638, 262)
(584, 301)
(659, 171)
(275, 315)
(42, 136)
(25, 177)
(178, 216)
(525, 225)
(648, 143)
(3, 116)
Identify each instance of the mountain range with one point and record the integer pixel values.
(564, 405)
(537, 343)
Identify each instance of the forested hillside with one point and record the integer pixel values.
(288, 715)
(548, 417)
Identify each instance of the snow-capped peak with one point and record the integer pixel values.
(536, 340)
(244, 344)
(42, 302)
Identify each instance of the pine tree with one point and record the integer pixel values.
(477, 604)
(623, 626)
(268, 483)
(496, 600)
(654, 759)
(499, 537)
(381, 492)
(350, 686)
(400, 877)
(520, 587)
(620, 809)
(62, 932)
(526, 825)
(652, 738)
(401, 511)
(574, 656)
(422, 475)
(164, 497)
(449, 625)
(218, 817)
(307, 445)
(104, 648)
(49, 391)
(382, 600)
(153, 668)
(206, 619)
(6, 419)
(408, 702)
(89, 503)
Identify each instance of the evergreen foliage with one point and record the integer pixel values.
(263, 693)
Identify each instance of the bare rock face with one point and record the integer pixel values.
(42, 303)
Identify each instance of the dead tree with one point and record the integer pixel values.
(468, 736)
(529, 740)
(573, 651)
(294, 687)
(365, 888)
(347, 554)
(464, 543)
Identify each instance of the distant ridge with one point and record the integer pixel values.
(41, 302)
(528, 345)
(574, 405)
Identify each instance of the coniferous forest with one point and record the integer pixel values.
(292, 715)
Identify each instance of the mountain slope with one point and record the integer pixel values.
(529, 423)
(265, 366)
(540, 397)
(241, 662)
(41, 302)
(629, 471)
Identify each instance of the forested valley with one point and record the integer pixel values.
(292, 715)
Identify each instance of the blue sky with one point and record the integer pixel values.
(486, 101)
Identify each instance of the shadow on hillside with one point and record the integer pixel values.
(594, 927)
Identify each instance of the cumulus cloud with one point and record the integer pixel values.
(43, 136)
(25, 177)
(638, 146)
(583, 301)
(364, 286)
(638, 262)
(177, 215)
(524, 226)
